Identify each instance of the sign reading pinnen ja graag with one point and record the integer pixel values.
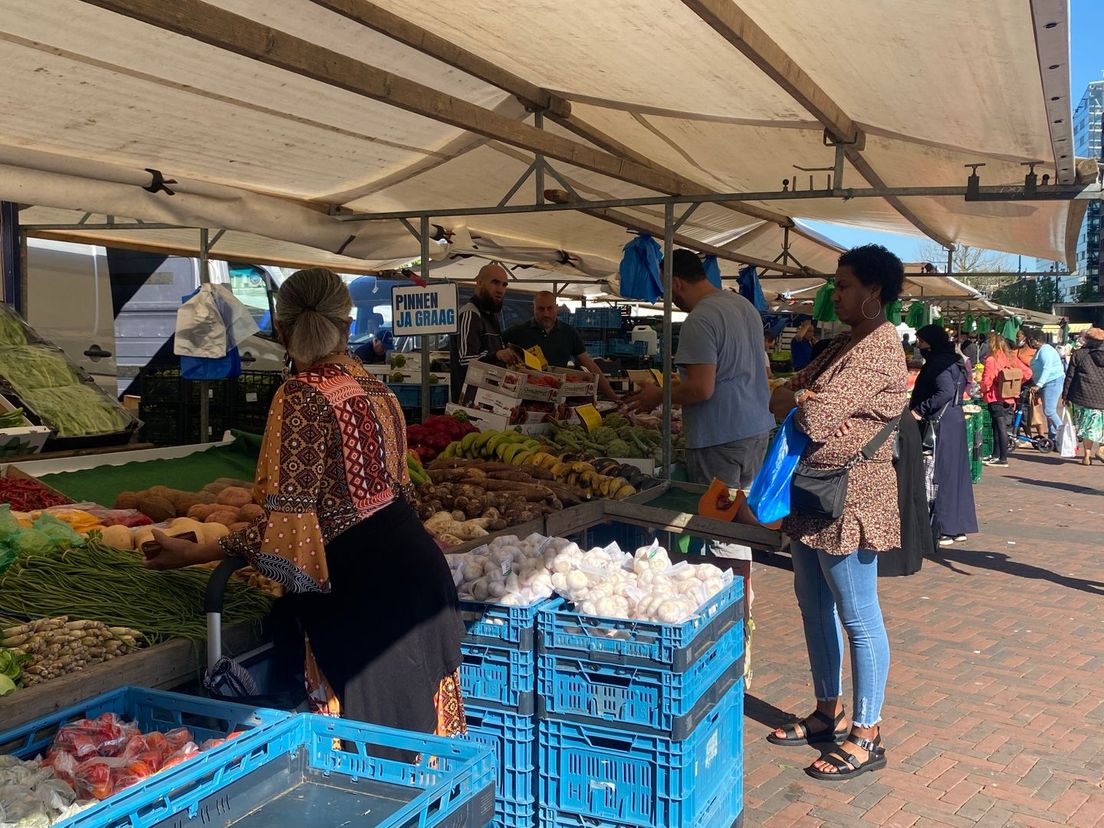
(423, 310)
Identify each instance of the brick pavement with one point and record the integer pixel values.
(995, 704)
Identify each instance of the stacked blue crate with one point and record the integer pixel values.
(498, 680)
(641, 723)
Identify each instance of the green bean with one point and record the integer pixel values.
(99, 583)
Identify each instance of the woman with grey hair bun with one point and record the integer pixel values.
(367, 584)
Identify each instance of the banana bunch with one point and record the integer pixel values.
(511, 447)
(584, 475)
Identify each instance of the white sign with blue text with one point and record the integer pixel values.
(423, 310)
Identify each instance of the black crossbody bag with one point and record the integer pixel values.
(820, 493)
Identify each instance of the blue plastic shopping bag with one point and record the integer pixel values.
(769, 496)
(640, 269)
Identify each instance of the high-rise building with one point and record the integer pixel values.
(1087, 144)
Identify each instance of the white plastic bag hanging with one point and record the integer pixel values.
(212, 322)
(200, 327)
(1067, 436)
(240, 324)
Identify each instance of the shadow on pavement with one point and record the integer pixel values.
(999, 562)
(764, 712)
(1072, 488)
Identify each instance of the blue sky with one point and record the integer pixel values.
(1086, 64)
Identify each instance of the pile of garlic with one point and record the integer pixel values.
(645, 586)
(603, 581)
(507, 571)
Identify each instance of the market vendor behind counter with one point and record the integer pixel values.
(560, 343)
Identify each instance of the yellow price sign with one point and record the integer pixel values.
(589, 416)
(534, 358)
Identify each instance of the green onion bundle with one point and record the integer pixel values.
(99, 583)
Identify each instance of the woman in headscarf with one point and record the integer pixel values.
(936, 404)
(379, 618)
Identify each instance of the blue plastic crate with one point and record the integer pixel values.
(625, 348)
(503, 677)
(596, 349)
(150, 710)
(513, 740)
(374, 777)
(409, 394)
(498, 624)
(598, 318)
(621, 641)
(724, 810)
(573, 687)
(636, 779)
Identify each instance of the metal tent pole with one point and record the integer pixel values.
(424, 238)
(668, 271)
(12, 256)
(204, 386)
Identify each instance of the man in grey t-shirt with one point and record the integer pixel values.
(722, 387)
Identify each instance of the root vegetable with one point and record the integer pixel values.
(201, 511)
(156, 508)
(224, 516)
(118, 536)
(235, 496)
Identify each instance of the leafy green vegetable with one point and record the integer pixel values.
(7, 685)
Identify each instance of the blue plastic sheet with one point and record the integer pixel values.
(712, 271)
(750, 288)
(769, 496)
(640, 269)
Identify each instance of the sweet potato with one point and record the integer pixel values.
(250, 512)
(156, 508)
(235, 496)
(224, 516)
(201, 511)
(183, 501)
(206, 497)
(126, 500)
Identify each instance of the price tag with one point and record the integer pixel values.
(589, 416)
(534, 358)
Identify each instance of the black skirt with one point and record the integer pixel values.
(389, 630)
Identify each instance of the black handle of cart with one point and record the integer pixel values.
(212, 605)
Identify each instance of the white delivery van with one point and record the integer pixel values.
(113, 311)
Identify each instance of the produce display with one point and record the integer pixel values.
(12, 419)
(616, 437)
(51, 647)
(219, 502)
(603, 581)
(31, 795)
(433, 436)
(102, 756)
(99, 583)
(526, 453)
(26, 495)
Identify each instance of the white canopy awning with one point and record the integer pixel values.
(273, 119)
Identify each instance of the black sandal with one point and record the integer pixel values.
(847, 765)
(829, 734)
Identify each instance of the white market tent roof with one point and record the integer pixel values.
(278, 120)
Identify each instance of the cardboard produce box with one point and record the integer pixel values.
(520, 383)
(21, 440)
(576, 384)
(516, 411)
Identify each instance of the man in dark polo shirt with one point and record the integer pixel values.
(558, 341)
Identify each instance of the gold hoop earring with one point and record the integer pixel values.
(863, 309)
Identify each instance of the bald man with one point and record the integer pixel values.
(559, 342)
(479, 334)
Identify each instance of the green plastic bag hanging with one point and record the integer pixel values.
(983, 325)
(917, 315)
(1010, 329)
(969, 325)
(895, 311)
(823, 309)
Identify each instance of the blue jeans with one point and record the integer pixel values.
(835, 588)
(1051, 392)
